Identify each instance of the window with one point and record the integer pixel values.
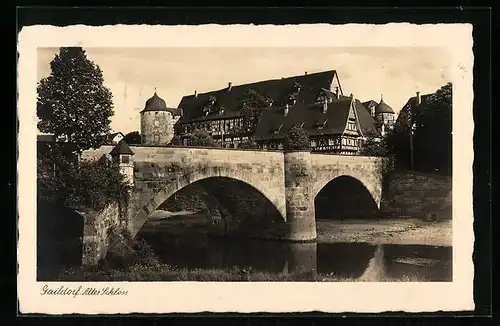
(313, 143)
(331, 142)
(125, 159)
(351, 126)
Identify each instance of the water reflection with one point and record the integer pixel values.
(343, 261)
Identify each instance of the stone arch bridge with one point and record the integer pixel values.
(289, 182)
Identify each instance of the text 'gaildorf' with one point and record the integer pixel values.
(80, 290)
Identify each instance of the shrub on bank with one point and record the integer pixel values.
(124, 252)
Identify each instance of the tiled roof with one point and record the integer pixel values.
(369, 104)
(366, 121)
(310, 117)
(276, 89)
(121, 148)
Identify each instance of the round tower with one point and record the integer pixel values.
(384, 115)
(157, 122)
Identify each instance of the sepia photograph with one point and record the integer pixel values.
(270, 164)
(182, 165)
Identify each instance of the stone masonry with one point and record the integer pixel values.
(290, 181)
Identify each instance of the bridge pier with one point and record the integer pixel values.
(300, 215)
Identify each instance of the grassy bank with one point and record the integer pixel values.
(168, 273)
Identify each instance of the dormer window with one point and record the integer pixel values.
(321, 124)
(277, 129)
(221, 110)
(211, 100)
(296, 87)
(291, 100)
(269, 102)
(322, 97)
(207, 110)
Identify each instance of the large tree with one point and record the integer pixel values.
(73, 101)
(429, 125)
(433, 132)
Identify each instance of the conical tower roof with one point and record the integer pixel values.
(121, 148)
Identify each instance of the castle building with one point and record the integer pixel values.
(157, 121)
(264, 111)
(382, 114)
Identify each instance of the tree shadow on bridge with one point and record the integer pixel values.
(345, 197)
(221, 206)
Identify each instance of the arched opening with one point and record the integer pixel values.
(209, 224)
(344, 197)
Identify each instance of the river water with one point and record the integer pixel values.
(343, 261)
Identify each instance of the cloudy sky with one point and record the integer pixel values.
(133, 73)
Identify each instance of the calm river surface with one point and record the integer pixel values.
(343, 260)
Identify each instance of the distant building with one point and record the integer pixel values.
(382, 114)
(413, 105)
(334, 123)
(157, 121)
(114, 138)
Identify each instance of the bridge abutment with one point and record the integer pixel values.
(299, 197)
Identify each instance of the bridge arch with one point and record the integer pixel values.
(372, 183)
(346, 195)
(152, 202)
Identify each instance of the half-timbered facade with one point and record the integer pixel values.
(265, 111)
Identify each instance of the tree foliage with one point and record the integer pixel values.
(374, 147)
(201, 138)
(73, 101)
(431, 134)
(176, 141)
(91, 185)
(253, 104)
(133, 137)
(296, 139)
(248, 144)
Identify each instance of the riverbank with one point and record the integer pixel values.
(409, 231)
(365, 240)
(165, 273)
(386, 231)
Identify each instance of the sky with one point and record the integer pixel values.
(132, 74)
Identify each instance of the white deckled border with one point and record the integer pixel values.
(254, 297)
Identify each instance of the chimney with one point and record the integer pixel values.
(337, 92)
(195, 93)
(305, 73)
(285, 111)
(229, 86)
(419, 99)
